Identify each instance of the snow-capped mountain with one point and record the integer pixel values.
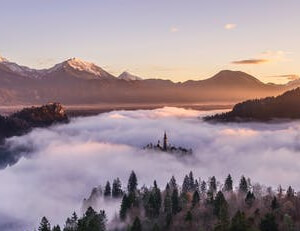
(129, 77)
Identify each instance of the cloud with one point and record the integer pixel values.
(250, 61)
(230, 26)
(75, 157)
(174, 29)
(290, 77)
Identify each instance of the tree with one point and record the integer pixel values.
(175, 202)
(44, 225)
(186, 184)
(268, 223)
(107, 190)
(250, 198)
(173, 183)
(188, 217)
(92, 221)
(243, 187)
(213, 185)
(203, 187)
(191, 181)
(196, 199)
(117, 188)
(136, 226)
(228, 184)
(219, 203)
(56, 228)
(167, 203)
(132, 183)
(71, 223)
(274, 203)
(290, 193)
(239, 222)
(125, 205)
(288, 223)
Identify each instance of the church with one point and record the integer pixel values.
(165, 147)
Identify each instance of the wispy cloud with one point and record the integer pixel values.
(174, 29)
(290, 77)
(230, 26)
(250, 61)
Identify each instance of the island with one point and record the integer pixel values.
(165, 147)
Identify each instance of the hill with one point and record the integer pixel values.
(285, 106)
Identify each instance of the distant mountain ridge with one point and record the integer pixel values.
(79, 82)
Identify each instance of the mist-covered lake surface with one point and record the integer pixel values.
(67, 161)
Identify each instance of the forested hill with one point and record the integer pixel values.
(285, 106)
(194, 205)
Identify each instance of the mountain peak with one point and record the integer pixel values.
(128, 77)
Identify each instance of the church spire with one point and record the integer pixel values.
(165, 145)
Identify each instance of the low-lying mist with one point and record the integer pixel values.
(67, 161)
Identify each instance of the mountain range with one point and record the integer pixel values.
(75, 82)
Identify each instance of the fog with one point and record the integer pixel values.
(66, 161)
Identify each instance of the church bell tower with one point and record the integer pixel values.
(165, 145)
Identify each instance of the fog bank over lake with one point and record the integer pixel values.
(67, 161)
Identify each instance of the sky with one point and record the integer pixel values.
(171, 39)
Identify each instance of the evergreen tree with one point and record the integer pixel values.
(268, 223)
(243, 187)
(213, 185)
(167, 203)
(219, 203)
(288, 223)
(196, 199)
(107, 190)
(56, 228)
(71, 223)
(191, 181)
(132, 183)
(158, 200)
(188, 217)
(125, 205)
(44, 225)
(274, 203)
(250, 198)
(92, 221)
(173, 183)
(239, 222)
(136, 226)
(203, 187)
(290, 192)
(117, 188)
(223, 220)
(186, 184)
(228, 184)
(175, 202)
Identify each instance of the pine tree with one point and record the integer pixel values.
(203, 187)
(136, 226)
(191, 181)
(196, 199)
(268, 223)
(132, 183)
(44, 225)
(239, 222)
(250, 198)
(92, 221)
(186, 184)
(107, 190)
(213, 185)
(219, 203)
(274, 203)
(56, 228)
(117, 188)
(290, 192)
(175, 202)
(243, 187)
(228, 184)
(173, 183)
(167, 203)
(188, 217)
(125, 205)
